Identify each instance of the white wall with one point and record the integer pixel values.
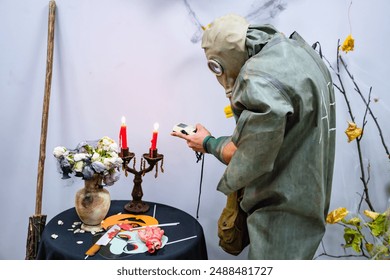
(136, 58)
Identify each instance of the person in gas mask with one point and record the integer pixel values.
(281, 153)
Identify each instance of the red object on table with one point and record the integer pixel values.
(123, 134)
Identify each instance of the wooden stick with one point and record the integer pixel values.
(38, 221)
(45, 111)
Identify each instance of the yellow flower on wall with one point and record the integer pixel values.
(349, 44)
(353, 131)
(336, 215)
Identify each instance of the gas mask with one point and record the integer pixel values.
(224, 45)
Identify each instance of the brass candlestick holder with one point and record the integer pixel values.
(136, 205)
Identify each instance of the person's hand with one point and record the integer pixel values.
(195, 141)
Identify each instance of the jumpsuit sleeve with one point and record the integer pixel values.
(262, 106)
(215, 146)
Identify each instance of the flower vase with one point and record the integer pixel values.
(92, 203)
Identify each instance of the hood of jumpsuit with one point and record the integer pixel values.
(230, 41)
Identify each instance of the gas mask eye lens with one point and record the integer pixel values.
(215, 67)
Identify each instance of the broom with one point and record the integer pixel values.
(37, 222)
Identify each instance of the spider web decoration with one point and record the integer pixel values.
(265, 10)
(260, 11)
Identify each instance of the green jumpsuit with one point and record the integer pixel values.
(283, 103)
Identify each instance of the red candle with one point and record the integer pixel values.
(123, 134)
(154, 137)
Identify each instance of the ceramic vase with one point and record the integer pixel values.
(92, 203)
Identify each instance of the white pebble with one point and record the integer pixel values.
(60, 223)
(54, 236)
(80, 242)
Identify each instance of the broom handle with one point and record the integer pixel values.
(45, 110)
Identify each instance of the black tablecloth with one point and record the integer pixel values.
(68, 244)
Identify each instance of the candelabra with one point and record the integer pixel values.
(136, 205)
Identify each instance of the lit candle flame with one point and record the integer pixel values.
(123, 120)
(156, 126)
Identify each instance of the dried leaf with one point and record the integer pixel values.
(348, 44)
(228, 111)
(336, 215)
(353, 131)
(371, 214)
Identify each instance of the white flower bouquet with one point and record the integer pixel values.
(89, 159)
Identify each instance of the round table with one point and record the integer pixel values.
(186, 240)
